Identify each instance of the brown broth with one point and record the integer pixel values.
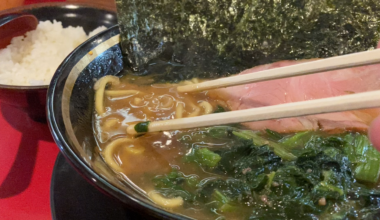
(154, 153)
(143, 158)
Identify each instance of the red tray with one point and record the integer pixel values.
(27, 157)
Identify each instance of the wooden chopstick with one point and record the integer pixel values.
(334, 63)
(318, 106)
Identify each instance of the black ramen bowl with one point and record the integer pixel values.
(70, 99)
(32, 99)
(70, 112)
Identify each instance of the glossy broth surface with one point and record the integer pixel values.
(229, 171)
(154, 153)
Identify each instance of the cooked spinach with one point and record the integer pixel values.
(203, 157)
(273, 135)
(328, 171)
(364, 157)
(176, 184)
(259, 140)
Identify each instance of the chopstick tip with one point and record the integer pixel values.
(131, 129)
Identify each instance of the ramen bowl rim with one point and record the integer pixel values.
(74, 159)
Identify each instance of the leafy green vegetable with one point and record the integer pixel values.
(175, 179)
(368, 172)
(229, 156)
(218, 196)
(364, 156)
(292, 206)
(331, 185)
(272, 135)
(171, 180)
(259, 160)
(247, 173)
(204, 157)
(192, 181)
(260, 182)
(234, 189)
(176, 184)
(271, 176)
(297, 140)
(250, 164)
(257, 140)
(223, 202)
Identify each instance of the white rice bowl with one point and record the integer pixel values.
(32, 59)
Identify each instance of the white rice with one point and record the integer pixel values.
(33, 59)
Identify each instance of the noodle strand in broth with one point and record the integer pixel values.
(230, 171)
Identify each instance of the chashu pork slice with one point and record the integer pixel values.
(302, 88)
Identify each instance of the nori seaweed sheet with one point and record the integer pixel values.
(181, 39)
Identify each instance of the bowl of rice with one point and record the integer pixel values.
(30, 61)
